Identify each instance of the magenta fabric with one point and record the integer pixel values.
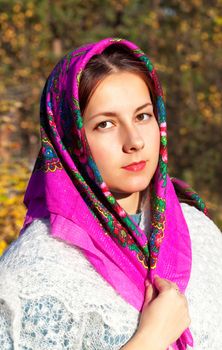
(58, 190)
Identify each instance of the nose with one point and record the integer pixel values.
(133, 140)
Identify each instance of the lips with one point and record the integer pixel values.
(135, 166)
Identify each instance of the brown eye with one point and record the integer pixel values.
(144, 116)
(104, 125)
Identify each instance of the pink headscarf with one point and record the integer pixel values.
(66, 186)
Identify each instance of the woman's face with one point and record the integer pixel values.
(121, 129)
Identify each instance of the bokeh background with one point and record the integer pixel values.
(183, 38)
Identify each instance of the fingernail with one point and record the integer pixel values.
(156, 276)
(147, 283)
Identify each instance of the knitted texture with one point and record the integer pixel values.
(52, 298)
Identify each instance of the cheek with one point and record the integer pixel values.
(156, 136)
(157, 140)
(99, 155)
(153, 139)
(102, 153)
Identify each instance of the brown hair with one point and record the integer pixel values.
(113, 59)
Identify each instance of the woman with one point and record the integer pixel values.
(104, 219)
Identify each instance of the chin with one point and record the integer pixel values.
(133, 186)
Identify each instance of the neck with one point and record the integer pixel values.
(129, 202)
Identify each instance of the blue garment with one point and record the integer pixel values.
(136, 217)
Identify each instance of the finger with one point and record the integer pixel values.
(149, 294)
(175, 286)
(161, 284)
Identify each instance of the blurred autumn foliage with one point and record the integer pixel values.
(184, 40)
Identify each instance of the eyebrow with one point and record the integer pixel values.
(112, 114)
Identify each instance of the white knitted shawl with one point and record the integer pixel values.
(51, 298)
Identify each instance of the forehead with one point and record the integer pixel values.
(120, 85)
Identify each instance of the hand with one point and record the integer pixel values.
(164, 316)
